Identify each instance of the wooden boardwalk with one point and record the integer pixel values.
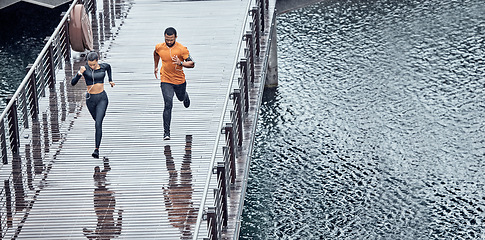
(146, 188)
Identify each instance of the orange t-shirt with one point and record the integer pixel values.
(170, 72)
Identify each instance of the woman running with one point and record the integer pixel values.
(96, 97)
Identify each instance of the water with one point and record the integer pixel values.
(23, 28)
(376, 130)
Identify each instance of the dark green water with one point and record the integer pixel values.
(377, 129)
(23, 28)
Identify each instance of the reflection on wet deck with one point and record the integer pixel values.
(178, 193)
(107, 226)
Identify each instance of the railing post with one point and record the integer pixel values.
(244, 95)
(66, 41)
(249, 37)
(63, 101)
(256, 29)
(93, 6)
(32, 93)
(243, 64)
(54, 115)
(50, 62)
(238, 115)
(89, 5)
(251, 63)
(3, 142)
(212, 223)
(221, 176)
(259, 27)
(235, 129)
(13, 126)
(227, 170)
(262, 13)
(228, 130)
(23, 102)
(218, 209)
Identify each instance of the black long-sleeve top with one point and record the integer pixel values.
(94, 76)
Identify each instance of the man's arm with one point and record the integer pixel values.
(156, 59)
(189, 63)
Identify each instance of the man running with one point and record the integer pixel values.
(174, 57)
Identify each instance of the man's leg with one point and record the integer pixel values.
(181, 93)
(167, 92)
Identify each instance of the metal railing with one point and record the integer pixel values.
(216, 213)
(40, 75)
(23, 153)
(22, 112)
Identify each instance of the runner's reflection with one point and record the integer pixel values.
(178, 193)
(104, 206)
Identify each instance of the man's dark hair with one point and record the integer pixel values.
(92, 56)
(171, 31)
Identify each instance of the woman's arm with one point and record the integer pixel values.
(78, 76)
(110, 79)
(108, 70)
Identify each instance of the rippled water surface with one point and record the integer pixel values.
(23, 28)
(376, 130)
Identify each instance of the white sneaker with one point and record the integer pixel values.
(166, 138)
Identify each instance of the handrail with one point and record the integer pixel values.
(37, 61)
(221, 123)
(17, 106)
(22, 110)
(256, 116)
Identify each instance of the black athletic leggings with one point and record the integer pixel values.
(97, 105)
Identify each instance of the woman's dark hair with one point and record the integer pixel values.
(171, 31)
(92, 56)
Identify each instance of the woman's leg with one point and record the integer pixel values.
(91, 103)
(100, 113)
(97, 105)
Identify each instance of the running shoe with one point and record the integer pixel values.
(186, 100)
(95, 153)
